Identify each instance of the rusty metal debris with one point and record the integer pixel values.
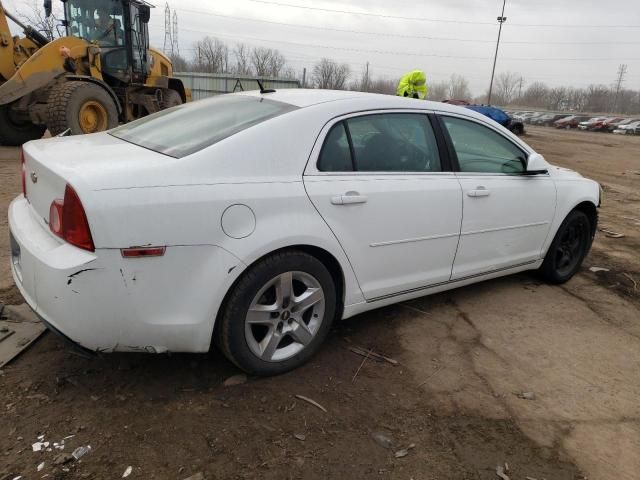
(312, 402)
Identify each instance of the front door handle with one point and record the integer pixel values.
(348, 198)
(480, 191)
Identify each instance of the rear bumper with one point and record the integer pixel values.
(102, 302)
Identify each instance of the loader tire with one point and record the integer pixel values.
(82, 107)
(171, 99)
(14, 133)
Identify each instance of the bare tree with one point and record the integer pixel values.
(438, 91)
(179, 63)
(267, 62)
(598, 98)
(33, 15)
(458, 87)
(212, 56)
(330, 74)
(535, 95)
(507, 84)
(557, 98)
(383, 85)
(241, 54)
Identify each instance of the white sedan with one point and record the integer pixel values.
(254, 220)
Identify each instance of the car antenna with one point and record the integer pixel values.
(263, 90)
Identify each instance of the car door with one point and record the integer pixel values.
(506, 213)
(379, 182)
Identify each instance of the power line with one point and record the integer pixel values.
(398, 35)
(411, 54)
(439, 20)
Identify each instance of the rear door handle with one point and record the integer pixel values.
(480, 191)
(348, 198)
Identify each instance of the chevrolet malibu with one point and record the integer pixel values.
(255, 220)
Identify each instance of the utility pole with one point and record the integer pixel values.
(304, 77)
(520, 88)
(622, 71)
(501, 20)
(366, 79)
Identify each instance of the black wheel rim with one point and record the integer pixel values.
(571, 247)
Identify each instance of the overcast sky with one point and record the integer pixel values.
(568, 42)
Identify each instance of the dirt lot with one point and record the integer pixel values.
(463, 355)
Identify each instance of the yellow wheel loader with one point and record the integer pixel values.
(101, 73)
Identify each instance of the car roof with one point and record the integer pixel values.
(302, 98)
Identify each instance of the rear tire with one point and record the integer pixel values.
(171, 99)
(83, 107)
(14, 133)
(568, 249)
(266, 328)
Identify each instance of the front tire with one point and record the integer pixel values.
(83, 107)
(568, 249)
(13, 132)
(278, 314)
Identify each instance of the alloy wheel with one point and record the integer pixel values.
(284, 316)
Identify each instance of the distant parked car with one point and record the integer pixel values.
(547, 120)
(615, 125)
(632, 128)
(602, 126)
(571, 121)
(514, 124)
(532, 118)
(587, 124)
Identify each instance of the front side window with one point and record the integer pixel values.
(482, 150)
(188, 128)
(389, 142)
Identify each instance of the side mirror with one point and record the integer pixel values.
(536, 164)
(145, 13)
(47, 8)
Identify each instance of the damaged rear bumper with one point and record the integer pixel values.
(103, 302)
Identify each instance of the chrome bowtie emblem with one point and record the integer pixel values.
(34, 177)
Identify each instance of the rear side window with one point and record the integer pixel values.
(185, 129)
(390, 142)
(335, 155)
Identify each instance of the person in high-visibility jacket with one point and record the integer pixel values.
(413, 85)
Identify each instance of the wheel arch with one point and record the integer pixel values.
(107, 88)
(323, 255)
(591, 211)
(177, 85)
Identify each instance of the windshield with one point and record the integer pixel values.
(101, 22)
(185, 129)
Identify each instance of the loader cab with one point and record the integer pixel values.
(120, 29)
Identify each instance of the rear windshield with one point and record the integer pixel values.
(185, 129)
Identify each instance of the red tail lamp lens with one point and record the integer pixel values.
(68, 220)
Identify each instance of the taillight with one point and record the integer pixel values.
(68, 220)
(23, 174)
